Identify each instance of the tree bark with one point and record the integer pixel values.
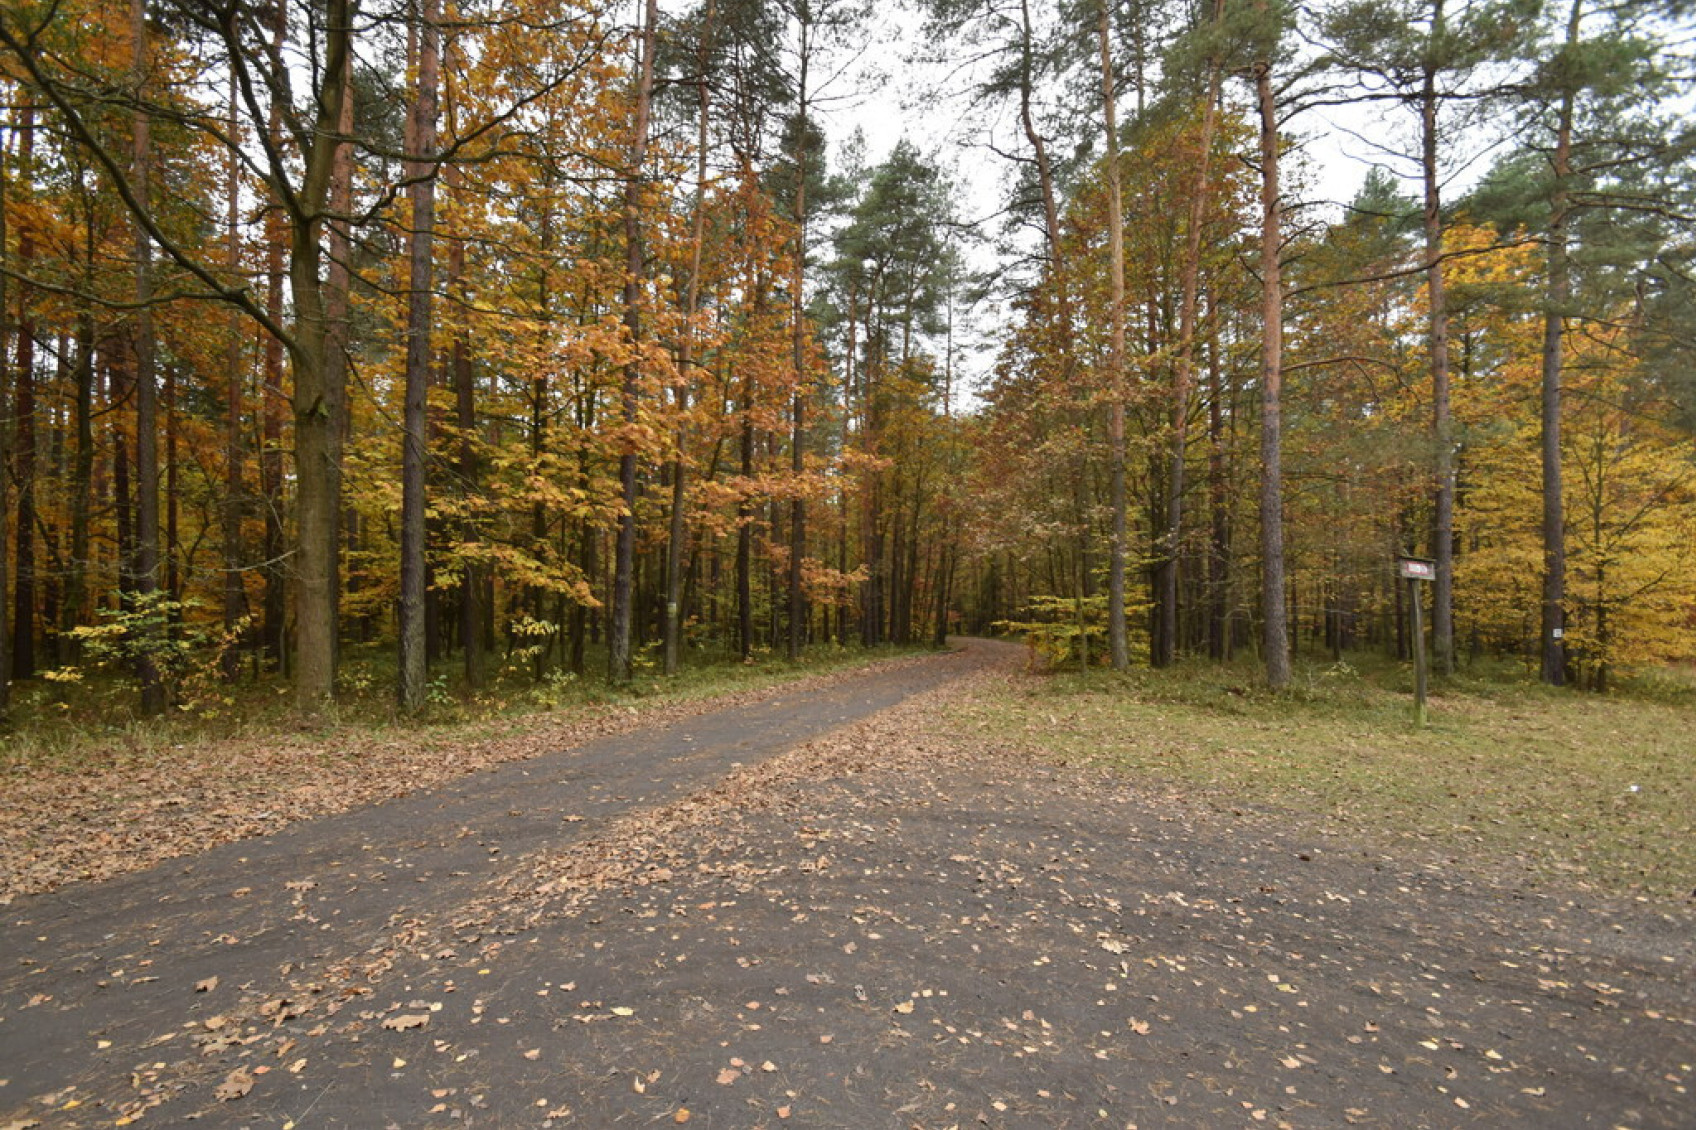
(1118, 643)
(170, 549)
(473, 571)
(624, 552)
(1553, 650)
(1275, 643)
(1166, 633)
(798, 331)
(1218, 493)
(422, 194)
(1442, 590)
(338, 275)
(23, 472)
(235, 454)
(75, 608)
(745, 538)
(146, 390)
(316, 468)
(672, 627)
(5, 460)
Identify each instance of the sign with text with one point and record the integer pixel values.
(1416, 569)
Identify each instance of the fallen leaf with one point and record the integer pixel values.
(682, 1115)
(407, 1020)
(728, 1076)
(236, 1084)
(206, 986)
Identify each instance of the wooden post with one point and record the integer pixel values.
(1415, 570)
(1419, 675)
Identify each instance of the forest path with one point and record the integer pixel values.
(875, 921)
(95, 972)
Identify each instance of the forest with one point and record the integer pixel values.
(552, 339)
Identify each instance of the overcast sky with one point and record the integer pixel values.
(884, 93)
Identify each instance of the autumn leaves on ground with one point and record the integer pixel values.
(939, 891)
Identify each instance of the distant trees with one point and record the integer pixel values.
(565, 335)
(555, 365)
(1341, 465)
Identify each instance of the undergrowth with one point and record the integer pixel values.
(66, 725)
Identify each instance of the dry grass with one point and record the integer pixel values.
(1601, 789)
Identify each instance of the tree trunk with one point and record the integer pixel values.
(337, 278)
(119, 386)
(171, 550)
(624, 559)
(75, 610)
(745, 539)
(235, 455)
(1218, 494)
(1117, 640)
(146, 394)
(671, 630)
(944, 591)
(5, 460)
(798, 333)
(1442, 603)
(316, 469)
(271, 420)
(1559, 294)
(1166, 634)
(23, 472)
(422, 193)
(473, 571)
(1275, 641)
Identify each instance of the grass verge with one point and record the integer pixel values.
(86, 806)
(93, 723)
(1599, 789)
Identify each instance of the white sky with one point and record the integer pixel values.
(887, 98)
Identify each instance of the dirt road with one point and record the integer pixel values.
(828, 910)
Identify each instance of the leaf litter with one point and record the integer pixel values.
(992, 880)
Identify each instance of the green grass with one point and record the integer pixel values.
(93, 722)
(1602, 788)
